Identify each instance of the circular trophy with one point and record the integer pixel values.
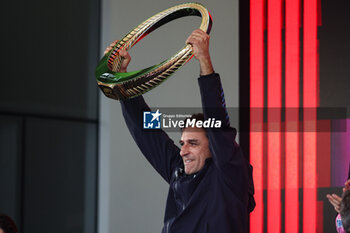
(118, 85)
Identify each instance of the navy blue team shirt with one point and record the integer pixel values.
(219, 197)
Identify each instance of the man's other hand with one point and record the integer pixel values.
(200, 44)
(125, 56)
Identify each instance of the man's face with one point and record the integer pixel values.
(194, 149)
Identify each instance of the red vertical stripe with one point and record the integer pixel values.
(310, 103)
(274, 48)
(324, 154)
(292, 116)
(319, 228)
(256, 104)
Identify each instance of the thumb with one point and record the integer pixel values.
(126, 60)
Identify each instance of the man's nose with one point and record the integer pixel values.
(184, 150)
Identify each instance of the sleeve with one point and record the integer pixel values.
(155, 145)
(227, 155)
(339, 224)
(222, 140)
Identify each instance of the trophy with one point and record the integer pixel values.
(117, 85)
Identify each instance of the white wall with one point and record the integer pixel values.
(131, 194)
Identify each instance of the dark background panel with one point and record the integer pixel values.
(334, 49)
(49, 99)
(10, 165)
(60, 171)
(48, 57)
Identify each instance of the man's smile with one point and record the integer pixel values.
(188, 161)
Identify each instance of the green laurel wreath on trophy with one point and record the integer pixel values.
(118, 85)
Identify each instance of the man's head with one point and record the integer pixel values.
(7, 225)
(194, 147)
(345, 211)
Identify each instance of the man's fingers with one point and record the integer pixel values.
(197, 42)
(335, 200)
(125, 54)
(334, 204)
(336, 197)
(192, 40)
(199, 34)
(110, 47)
(347, 185)
(200, 37)
(126, 60)
(113, 43)
(107, 50)
(332, 201)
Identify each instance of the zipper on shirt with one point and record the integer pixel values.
(167, 227)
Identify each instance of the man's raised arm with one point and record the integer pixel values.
(227, 155)
(155, 145)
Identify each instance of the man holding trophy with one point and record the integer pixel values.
(210, 182)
